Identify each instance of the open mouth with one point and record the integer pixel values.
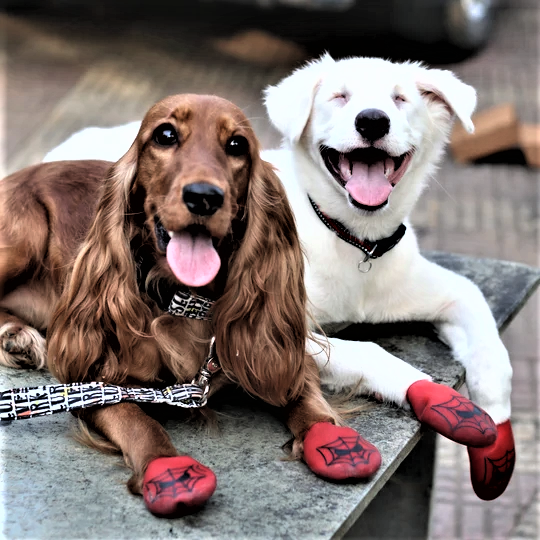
(191, 254)
(368, 174)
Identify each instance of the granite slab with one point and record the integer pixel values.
(52, 487)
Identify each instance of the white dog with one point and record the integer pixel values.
(361, 138)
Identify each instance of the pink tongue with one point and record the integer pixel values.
(367, 185)
(193, 259)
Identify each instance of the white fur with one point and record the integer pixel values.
(402, 285)
(109, 144)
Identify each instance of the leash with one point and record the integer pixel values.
(370, 249)
(28, 402)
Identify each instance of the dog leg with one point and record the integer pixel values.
(365, 367)
(331, 451)
(489, 376)
(365, 364)
(465, 323)
(171, 484)
(21, 345)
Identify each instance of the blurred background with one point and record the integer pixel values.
(69, 64)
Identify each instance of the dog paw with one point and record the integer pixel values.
(451, 414)
(21, 346)
(175, 486)
(339, 453)
(492, 466)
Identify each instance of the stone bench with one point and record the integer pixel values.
(53, 487)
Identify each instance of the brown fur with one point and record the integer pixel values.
(71, 234)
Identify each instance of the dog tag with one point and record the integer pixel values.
(365, 265)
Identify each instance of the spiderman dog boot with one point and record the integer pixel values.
(492, 466)
(451, 414)
(173, 486)
(339, 453)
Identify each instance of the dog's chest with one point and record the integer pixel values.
(340, 289)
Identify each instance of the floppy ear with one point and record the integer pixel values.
(260, 320)
(441, 87)
(100, 312)
(289, 103)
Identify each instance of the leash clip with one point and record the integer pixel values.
(209, 368)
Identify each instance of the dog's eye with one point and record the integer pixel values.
(237, 146)
(399, 99)
(341, 97)
(165, 135)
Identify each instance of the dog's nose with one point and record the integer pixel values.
(202, 199)
(372, 124)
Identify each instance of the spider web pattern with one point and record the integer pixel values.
(347, 451)
(498, 470)
(174, 482)
(460, 412)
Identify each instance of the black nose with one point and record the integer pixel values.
(202, 199)
(372, 124)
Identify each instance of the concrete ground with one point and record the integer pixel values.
(58, 75)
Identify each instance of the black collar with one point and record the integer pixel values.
(371, 249)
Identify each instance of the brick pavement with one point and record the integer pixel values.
(492, 211)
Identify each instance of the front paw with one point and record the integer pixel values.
(339, 453)
(492, 466)
(21, 346)
(174, 486)
(451, 414)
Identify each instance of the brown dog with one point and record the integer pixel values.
(92, 253)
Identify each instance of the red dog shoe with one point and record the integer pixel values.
(339, 453)
(174, 486)
(492, 466)
(449, 413)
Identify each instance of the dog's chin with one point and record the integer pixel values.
(191, 253)
(368, 175)
(366, 208)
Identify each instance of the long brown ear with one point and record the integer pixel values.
(100, 312)
(260, 321)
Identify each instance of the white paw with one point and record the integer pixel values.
(22, 347)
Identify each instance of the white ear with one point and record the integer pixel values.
(444, 87)
(289, 103)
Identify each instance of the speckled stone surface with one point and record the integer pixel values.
(52, 487)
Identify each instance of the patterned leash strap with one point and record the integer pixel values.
(19, 403)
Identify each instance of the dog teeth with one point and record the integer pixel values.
(344, 168)
(388, 167)
(170, 233)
